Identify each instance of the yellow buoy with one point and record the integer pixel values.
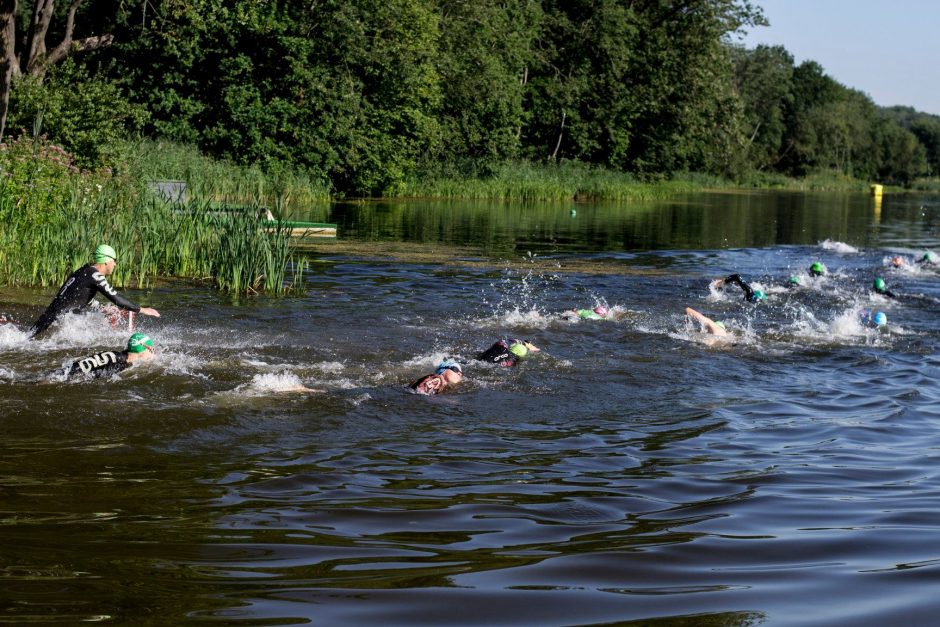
(876, 190)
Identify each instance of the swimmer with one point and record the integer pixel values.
(598, 313)
(873, 319)
(880, 287)
(711, 327)
(817, 269)
(139, 348)
(930, 258)
(794, 282)
(448, 373)
(507, 353)
(78, 291)
(750, 294)
(898, 261)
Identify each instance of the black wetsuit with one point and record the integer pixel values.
(499, 353)
(748, 290)
(100, 364)
(79, 291)
(885, 292)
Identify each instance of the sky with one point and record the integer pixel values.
(889, 49)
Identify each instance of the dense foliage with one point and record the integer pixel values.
(366, 96)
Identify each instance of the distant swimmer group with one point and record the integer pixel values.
(867, 317)
(77, 295)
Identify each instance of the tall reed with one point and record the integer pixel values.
(152, 239)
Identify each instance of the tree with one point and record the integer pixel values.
(764, 83)
(34, 57)
(485, 56)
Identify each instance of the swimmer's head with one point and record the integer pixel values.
(793, 281)
(104, 254)
(817, 269)
(519, 349)
(930, 257)
(758, 296)
(897, 261)
(601, 311)
(872, 318)
(448, 364)
(138, 343)
(879, 284)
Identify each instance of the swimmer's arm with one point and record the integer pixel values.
(102, 285)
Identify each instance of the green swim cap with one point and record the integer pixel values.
(721, 324)
(794, 280)
(929, 257)
(758, 295)
(104, 253)
(879, 284)
(817, 268)
(138, 343)
(519, 349)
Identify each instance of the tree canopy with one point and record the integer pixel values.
(364, 94)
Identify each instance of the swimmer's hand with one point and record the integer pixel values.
(150, 311)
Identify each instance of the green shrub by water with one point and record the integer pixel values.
(52, 224)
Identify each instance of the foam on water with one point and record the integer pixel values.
(838, 247)
(269, 383)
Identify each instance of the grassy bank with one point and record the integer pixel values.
(216, 180)
(53, 216)
(523, 181)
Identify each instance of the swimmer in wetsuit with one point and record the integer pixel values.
(750, 294)
(817, 269)
(107, 363)
(78, 291)
(880, 287)
(873, 319)
(506, 353)
(598, 313)
(448, 373)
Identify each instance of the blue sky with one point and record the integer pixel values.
(889, 49)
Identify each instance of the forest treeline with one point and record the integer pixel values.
(367, 96)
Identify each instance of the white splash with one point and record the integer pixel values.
(839, 247)
(262, 384)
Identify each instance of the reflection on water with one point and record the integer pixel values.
(699, 222)
(632, 472)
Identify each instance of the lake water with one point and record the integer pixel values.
(632, 471)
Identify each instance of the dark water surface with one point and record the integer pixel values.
(633, 471)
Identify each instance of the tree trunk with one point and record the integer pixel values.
(36, 38)
(8, 58)
(561, 132)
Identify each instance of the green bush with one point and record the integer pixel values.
(76, 111)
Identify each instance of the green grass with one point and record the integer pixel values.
(219, 181)
(152, 239)
(526, 181)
